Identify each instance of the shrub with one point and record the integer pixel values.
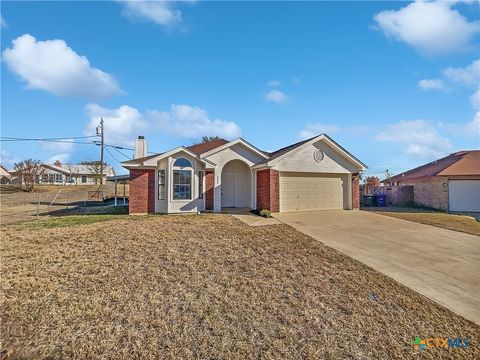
(265, 213)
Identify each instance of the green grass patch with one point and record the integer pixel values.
(66, 221)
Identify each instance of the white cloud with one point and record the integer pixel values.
(466, 76)
(431, 27)
(473, 127)
(8, 159)
(66, 146)
(432, 84)
(63, 158)
(191, 122)
(274, 83)
(276, 96)
(53, 66)
(3, 23)
(475, 100)
(123, 124)
(316, 129)
(159, 12)
(419, 139)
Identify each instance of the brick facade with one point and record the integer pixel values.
(268, 190)
(142, 191)
(209, 190)
(430, 192)
(355, 192)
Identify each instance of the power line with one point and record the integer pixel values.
(52, 141)
(106, 148)
(113, 147)
(47, 139)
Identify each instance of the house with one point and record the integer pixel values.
(451, 183)
(310, 175)
(71, 174)
(5, 176)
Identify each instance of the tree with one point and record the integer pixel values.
(95, 168)
(29, 171)
(372, 181)
(206, 139)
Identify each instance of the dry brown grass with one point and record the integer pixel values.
(204, 286)
(455, 222)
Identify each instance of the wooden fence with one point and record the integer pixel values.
(401, 195)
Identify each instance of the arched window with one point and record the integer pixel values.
(182, 162)
(182, 179)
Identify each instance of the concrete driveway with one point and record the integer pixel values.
(441, 264)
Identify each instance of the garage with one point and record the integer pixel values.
(464, 195)
(312, 191)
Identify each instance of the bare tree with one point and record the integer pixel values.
(95, 168)
(73, 172)
(206, 139)
(29, 171)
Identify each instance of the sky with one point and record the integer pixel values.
(395, 83)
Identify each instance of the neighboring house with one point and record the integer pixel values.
(451, 183)
(310, 175)
(72, 174)
(5, 176)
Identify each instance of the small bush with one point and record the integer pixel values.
(265, 213)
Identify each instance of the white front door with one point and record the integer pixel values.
(228, 190)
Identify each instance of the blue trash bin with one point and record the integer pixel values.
(380, 200)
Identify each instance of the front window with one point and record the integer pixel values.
(182, 163)
(200, 184)
(84, 179)
(161, 184)
(182, 184)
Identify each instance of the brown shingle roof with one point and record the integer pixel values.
(459, 163)
(207, 146)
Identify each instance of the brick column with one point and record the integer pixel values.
(355, 191)
(141, 199)
(209, 190)
(268, 190)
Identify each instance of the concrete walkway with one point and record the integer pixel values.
(441, 264)
(244, 215)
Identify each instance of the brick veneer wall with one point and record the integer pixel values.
(142, 191)
(355, 192)
(209, 190)
(268, 190)
(430, 192)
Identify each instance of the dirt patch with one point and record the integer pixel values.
(461, 223)
(205, 286)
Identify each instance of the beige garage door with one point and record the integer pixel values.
(310, 191)
(464, 195)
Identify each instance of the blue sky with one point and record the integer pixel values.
(395, 83)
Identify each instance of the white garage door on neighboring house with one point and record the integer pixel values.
(464, 195)
(310, 191)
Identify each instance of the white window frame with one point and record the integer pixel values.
(162, 175)
(179, 168)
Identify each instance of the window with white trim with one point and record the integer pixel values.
(161, 184)
(182, 179)
(200, 184)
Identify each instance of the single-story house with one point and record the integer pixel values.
(5, 176)
(313, 174)
(451, 183)
(71, 174)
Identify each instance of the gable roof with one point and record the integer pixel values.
(460, 163)
(285, 150)
(206, 146)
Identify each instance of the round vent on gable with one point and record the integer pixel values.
(318, 155)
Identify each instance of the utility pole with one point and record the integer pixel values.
(100, 133)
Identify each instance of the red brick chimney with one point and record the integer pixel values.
(57, 163)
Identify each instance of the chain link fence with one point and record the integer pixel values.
(17, 205)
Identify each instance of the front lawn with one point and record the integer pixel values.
(204, 286)
(444, 220)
